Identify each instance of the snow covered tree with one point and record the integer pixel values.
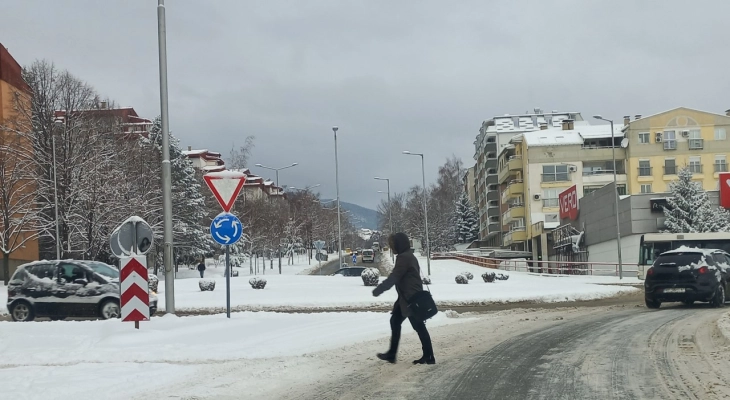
(467, 224)
(689, 209)
(188, 203)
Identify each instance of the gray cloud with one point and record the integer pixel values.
(392, 75)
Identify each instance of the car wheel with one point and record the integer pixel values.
(109, 309)
(22, 311)
(651, 303)
(688, 302)
(718, 300)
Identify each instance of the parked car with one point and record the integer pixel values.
(60, 289)
(350, 271)
(368, 256)
(348, 251)
(688, 275)
(376, 246)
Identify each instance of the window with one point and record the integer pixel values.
(555, 173)
(621, 189)
(643, 137)
(695, 164)
(670, 140)
(720, 134)
(644, 168)
(720, 163)
(590, 189)
(42, 271)
(695, 134)
(670, 166)
(71, 272)
(646, 189)
(551, 218)
(550, 198)
(492, 188)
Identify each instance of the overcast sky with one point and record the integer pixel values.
(393, 75)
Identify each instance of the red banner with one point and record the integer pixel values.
(569, 203)
(724, 189)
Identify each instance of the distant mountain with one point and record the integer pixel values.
(361, 217)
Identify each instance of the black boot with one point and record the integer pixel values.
(389, 357)
(425, 360)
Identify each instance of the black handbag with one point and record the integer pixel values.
(422, 305)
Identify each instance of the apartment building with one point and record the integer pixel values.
(659, 145)
(494, 135)
(535, 167)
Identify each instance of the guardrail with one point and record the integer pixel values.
(540, 267)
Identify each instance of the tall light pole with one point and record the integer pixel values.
(166, 175)
(616, 198)
(390, 211)
(337, 185)
(425, 208)
(57, 123)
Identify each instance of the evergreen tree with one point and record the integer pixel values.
(689, 209)
(467, 224)
(188, 203)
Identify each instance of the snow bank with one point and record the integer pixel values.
(724, 325)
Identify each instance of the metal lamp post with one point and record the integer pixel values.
(337, 185)
(390, 211)
(57, 123)
(616, 199)
(425, 207)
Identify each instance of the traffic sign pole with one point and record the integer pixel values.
(228, 282)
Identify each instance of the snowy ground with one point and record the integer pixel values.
(294, 291)
(290, 291)
(76, 358)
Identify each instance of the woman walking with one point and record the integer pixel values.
(406, 277)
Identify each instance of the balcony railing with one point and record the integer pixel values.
(720, 167)
(556, 177)
(695, 168)
(670, 170)
(603, 172)
(550, 202)
(644, 171)
(696, 144)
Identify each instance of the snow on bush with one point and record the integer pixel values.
(451, 314)
(370, 277)
(257, 283)
(153, 282)
(461, 280)
(206, 285)
(426, 280)
(468, 275)
(489, 276)
(502, 277)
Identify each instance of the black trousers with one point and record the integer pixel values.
(396, 320)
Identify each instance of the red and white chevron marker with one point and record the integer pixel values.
(135, 296)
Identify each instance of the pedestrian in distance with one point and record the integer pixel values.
(406, 277)
(201, 268)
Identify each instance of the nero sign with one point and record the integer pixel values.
(724, 189)
(569, 203)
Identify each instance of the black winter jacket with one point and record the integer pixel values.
(406, 275)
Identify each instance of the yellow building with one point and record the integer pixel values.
(661, 144)
(12, 85)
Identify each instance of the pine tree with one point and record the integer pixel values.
(188, 202)
(467, 226)
(689, 209)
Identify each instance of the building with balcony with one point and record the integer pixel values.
(661, 144)
(537, 166)
(494, 136)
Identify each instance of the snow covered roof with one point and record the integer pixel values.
(213, 168)
(560, 137)
(687, 249)
(195, 152)
(598, 131)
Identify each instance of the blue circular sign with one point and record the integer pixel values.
(226, 229)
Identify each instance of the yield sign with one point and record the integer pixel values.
(225, 185)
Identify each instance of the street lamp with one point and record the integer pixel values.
(304, 189)
(390, 210)
(616, 199)
(337, 185)
(59, 123)
(277, 170)
(425, 208)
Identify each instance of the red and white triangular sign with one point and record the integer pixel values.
(225, 185)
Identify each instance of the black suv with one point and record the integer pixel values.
(688, 275)
(350, 271)
(60, 289)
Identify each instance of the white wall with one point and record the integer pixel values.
(607, 251)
